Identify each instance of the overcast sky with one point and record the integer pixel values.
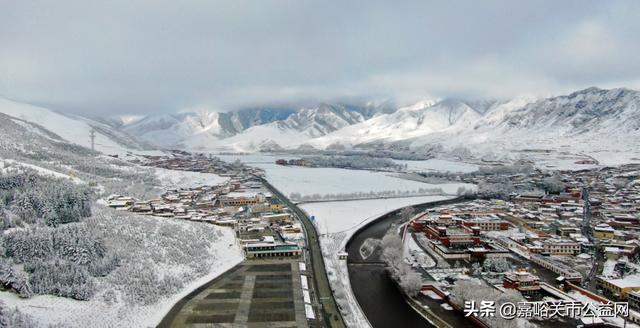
(161, 56)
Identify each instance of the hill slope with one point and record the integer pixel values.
(72, 129)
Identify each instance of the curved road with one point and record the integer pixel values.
(331, 313)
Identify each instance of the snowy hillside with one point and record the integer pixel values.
(117, 269)
(69, 128)
(169, 130)
(590, 121)
(423, 118)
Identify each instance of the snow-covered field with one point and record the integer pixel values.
(172, 179)
(614, 158)
(321, 181)
(333, 217)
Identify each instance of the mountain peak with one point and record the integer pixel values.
(600, 91)
(592, 89)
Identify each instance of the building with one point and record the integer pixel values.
(241, 200)
(522, 281)
(264, 249)
(603, 231)
(276, 205)
(560, 247)
(633, 297)
(120, 202)
(455, 237)
(487, 224)
(619, 288)
(567, 272)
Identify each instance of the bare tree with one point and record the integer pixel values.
(409, 280)
(407, 213)
(553, 184)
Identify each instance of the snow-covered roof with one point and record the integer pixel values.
(626, 282)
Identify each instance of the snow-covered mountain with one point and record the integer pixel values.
(584, 120)
(70, 128)
(587, 111)
(303, 125)
(420, 119)
(249, 129)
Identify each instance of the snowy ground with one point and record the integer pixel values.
(334, 217)
(171, 179)
(305, 181)
(66, 312)
(337, 222)
(8, 165)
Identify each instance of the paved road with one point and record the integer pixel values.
(330, 310)
(590, 282)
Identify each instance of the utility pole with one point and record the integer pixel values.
(92, 135)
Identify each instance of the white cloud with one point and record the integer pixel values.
(144, 56)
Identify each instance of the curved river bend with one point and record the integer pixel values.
(378, 296)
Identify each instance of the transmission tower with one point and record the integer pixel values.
(92, 135)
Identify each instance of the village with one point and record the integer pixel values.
(263, 225)
(579, 244)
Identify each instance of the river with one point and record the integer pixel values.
(378, 296)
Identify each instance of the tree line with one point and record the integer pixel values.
(298, 197)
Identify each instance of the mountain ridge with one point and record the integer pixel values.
(584, 119)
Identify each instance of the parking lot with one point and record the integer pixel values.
(257, 293)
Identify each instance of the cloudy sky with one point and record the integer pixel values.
(162, 56)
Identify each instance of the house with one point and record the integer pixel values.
(522, 281)
(141, 207)
(120, 202)
(275, 204)
(603, 231)
(560, 247)
(621, 287)
(237, 201)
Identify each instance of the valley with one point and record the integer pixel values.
(322, 202)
